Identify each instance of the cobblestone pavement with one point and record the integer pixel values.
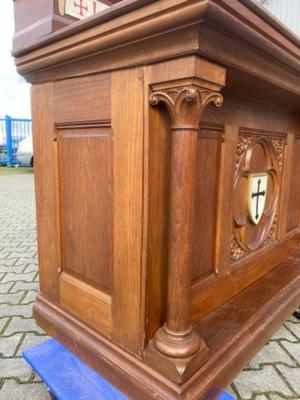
(272, 375)
(18, 287)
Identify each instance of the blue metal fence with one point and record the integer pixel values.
(12, 131)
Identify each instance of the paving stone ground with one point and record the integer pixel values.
(273, 374)
(18, 286)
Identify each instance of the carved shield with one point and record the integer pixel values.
(258, 184)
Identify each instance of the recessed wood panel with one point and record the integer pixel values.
(83, 99)
(205, 197)
(293, 217)
(86, 204)
(75, 296)
(158, 215)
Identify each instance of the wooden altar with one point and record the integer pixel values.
(167, 164)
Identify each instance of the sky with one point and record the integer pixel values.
(14, 91)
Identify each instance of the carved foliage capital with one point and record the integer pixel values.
(186, 105)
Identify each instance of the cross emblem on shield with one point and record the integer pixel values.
(82, 8)
(258, 184)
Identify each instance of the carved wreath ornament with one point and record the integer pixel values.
(246, 236)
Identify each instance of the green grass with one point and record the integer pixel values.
(4, 171)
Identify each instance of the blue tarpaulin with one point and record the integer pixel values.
(68, 378)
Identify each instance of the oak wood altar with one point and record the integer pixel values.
(167, 164)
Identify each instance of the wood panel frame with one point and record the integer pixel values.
(128, 276)
(46, 182)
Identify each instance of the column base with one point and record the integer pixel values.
(174, 344)
(177, 370)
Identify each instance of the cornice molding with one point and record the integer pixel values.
(133, 22)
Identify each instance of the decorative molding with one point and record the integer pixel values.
(261, 132)
(212, 131)
(100, 133)
(211, 126)
(82, 130)
(274, 150)
(83, 124)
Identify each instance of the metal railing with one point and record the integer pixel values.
(12, 131)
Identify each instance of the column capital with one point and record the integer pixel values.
(186, 104)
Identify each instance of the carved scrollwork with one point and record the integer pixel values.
(243, 144)
(188, 101)
(256, 153)
(278, 145)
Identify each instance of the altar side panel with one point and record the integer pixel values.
(205, 202)
(293, 218)
(86, 203)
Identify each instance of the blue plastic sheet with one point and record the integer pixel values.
(68, 378)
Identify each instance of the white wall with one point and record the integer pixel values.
(287, 11)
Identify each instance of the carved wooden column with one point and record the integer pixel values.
(177, 349)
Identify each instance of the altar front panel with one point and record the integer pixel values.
(230, 252)
(259, 139)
